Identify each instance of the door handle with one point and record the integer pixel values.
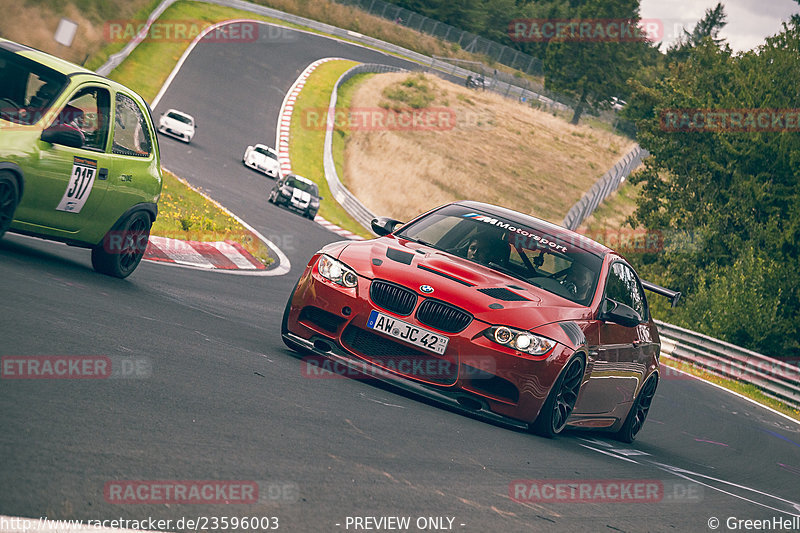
(102, 174)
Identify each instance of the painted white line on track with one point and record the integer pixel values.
(283, 262)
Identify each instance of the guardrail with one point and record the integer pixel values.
(506, 89)
(772, 376)
(608, 183)
(346, 199)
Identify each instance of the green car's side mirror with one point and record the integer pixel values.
(65, 135)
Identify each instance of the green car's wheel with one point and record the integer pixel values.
(9, 198)
(122, 248)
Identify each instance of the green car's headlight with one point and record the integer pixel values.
(336, 271)
(523, 341)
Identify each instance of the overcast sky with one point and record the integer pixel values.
(749, 21)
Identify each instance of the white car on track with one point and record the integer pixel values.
(177, 124)
(264, 159)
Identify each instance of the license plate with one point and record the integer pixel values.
(410, 333)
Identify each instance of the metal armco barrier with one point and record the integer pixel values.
(507, 89)
(774, 377)
(346, 199)
(601, 190)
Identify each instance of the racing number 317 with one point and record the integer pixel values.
(81, 178)
(80, 184)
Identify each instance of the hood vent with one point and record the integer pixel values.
(448, 276)
(501, 293)
(399, 255)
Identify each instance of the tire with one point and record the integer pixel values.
(560, 402)
(123, 247)
(9, 199)
(638, 413)
(285, 323)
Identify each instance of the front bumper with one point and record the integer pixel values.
(474, 374)
(271, 172)
(462, 402)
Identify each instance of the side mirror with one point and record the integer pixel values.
(621, 314)
(65, 135)
(384, 225)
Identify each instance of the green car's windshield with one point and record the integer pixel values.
(27, 88)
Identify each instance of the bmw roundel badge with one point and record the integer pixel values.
(427, 289)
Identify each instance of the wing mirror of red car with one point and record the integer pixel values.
(621, 314)
(384, 225)
(64, 134)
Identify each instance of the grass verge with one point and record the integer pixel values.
(306, 142)
(745, 389)
(185, 214)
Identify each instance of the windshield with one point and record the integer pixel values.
(303, 186)
(266, 152)
(27, 88)
(524, 251)
(180, 118)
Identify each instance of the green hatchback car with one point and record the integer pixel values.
(79, 158)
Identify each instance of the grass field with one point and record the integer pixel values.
(468, 145)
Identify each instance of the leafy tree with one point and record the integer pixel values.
(708, 27)
(593, 69)
(736, 192)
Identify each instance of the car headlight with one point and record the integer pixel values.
(336, 271)
(523, 341)
(286, 192)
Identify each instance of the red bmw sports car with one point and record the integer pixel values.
(491, 311)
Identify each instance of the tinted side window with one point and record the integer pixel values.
(623, 286)
(131, 135)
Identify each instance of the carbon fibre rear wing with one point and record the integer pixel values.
(673, 296)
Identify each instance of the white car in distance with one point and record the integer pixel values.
(263, 159)
(177, 124)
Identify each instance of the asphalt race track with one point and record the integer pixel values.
(221, 398)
